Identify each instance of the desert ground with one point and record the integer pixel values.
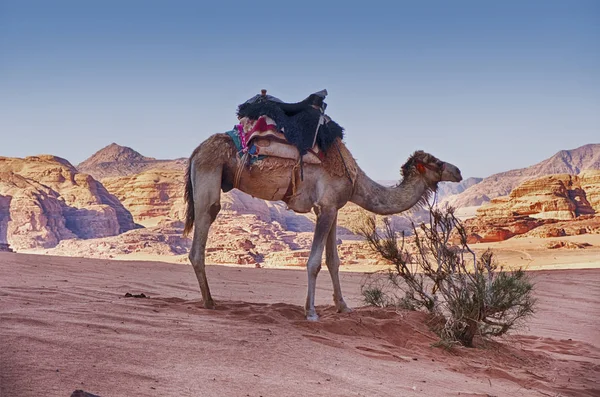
(532, 253)
(65, 324)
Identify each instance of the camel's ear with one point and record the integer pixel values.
(420, 168)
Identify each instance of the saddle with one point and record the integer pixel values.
(302, 124)
(300, 131)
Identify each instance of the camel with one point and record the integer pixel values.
(323, 188)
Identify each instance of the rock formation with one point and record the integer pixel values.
(590, 183)
(151, 194)
(44, 199)
(564, 162)
(163, 239)
(548, 197)
(534, 203)
(587, 224)
(5, 248)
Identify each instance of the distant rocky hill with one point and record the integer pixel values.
(45, 202)
(564, 162)
(447, 189)
(44, 199)
(115, 160)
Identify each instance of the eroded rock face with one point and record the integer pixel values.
(44, 199)
(163, 239)
(150, 194)
(32, 214)
(492, 229)
(587, 224)
(549, 197)
(590, 183)
(533, 203)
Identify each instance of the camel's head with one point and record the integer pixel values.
(431, 169)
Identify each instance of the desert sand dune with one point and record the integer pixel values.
(65, 324)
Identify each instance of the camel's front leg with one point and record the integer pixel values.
(325, 219)
(333, 264)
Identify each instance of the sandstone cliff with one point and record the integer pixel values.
(151, 194)
(590, 182)
(564, 162)
(44, 199)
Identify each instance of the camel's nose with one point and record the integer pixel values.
(452, 173)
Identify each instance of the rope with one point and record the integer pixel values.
(240, 168)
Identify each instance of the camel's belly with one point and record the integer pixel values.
(268, 180)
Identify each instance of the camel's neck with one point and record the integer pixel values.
(384, 200)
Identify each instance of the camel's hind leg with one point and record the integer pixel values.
(207, 194)
(333, 264)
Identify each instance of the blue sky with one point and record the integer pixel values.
(488, 86)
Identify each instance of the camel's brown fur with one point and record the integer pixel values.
(338, 161)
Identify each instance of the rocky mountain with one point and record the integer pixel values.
(115, 160)
(538, 202)
(564, 162)
(44, 199)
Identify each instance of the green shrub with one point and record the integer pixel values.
(441, 274)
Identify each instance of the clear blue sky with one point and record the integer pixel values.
(486, 85)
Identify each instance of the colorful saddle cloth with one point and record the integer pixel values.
(260, 138)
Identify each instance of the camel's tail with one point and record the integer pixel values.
(189, 200)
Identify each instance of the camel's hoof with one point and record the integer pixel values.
(344, 309)
(209, 304)
(312, 317)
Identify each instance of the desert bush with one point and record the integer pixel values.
(438, 272)
(375, 296)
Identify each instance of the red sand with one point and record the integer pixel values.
(65, 325)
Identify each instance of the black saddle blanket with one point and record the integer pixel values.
(297, 121)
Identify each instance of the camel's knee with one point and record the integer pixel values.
(214, 211)
(192, 254)
(195, 255)
(313, 270)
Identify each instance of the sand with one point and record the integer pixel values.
(65, 324)
(531, 253)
